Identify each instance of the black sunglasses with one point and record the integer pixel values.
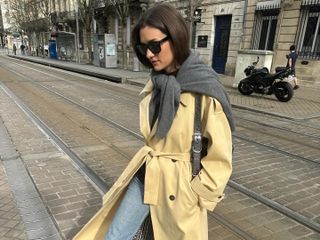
(154, 46)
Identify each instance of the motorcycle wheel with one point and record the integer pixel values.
(283, 91)
(244, 88)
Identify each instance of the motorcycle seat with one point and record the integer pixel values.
(281, 69)
(272, 76)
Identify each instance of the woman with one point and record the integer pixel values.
(158, 179)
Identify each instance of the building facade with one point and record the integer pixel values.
(219, 30)
(229, 26)
(276, 25)
(273, 25)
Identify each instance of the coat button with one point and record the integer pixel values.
(173, 160)
(172, 197)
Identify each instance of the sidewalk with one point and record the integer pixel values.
(305, 103)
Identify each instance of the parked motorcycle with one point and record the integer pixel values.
(260, 80)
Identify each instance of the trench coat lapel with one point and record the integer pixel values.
(145, 128)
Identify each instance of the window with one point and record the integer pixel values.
(309, 38)
(265, 30)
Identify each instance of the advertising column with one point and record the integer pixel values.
(110, 50)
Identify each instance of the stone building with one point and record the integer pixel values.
(219, 30)
(276, 25)
(226, 27)
(108, 21)
(216, 32)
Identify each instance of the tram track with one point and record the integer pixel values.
(132, 102)
(124, 129)
(52, 72)
(283, 125)
(77, 78)
(114, 123)
(275, 149)
(255, 132)
(93, 177)
(128, 101)
(100, 185)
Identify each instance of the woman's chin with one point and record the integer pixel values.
(157, 68)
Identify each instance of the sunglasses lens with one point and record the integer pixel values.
(142, 49)
(154, 47)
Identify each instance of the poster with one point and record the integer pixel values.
(111, 49)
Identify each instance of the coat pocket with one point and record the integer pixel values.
(191, 195)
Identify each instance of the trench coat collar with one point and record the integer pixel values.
(147, 88)
(145, 128)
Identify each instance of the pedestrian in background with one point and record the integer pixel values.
(41, 50)
(22, 48)
(14, 48)
(291, 63)
(158, 180)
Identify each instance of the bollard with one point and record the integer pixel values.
(136, 64)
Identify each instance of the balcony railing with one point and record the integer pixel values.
(309, 55)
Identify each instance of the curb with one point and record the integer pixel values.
(140, 82)
(111, 78)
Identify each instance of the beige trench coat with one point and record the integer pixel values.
(178, 204)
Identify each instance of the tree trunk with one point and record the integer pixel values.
(88, 34)
(124, 46)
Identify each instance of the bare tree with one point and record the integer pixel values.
(45, 8)
(45, 11)
(18, 15)
(28, 17)
(86, 10)
(122, 8)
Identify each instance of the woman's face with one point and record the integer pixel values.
(164, 60)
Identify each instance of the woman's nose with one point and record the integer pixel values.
(149, 54)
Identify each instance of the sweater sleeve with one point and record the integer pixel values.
(210, 183)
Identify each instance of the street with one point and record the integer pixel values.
(69, 136)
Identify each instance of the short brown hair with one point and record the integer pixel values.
(169, 21)
(292, 47)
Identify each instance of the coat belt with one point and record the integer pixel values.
(152, 176)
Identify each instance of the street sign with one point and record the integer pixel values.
(202, 41)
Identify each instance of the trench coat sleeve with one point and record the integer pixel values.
(216, 169)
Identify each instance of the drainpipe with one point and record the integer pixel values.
(77, 31)
(243, 22)
(275, 45)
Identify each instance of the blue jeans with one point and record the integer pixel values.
(130, 214)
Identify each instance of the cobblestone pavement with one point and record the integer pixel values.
(11, 224)
(76, 199)
(62, 192)
(305, 103)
